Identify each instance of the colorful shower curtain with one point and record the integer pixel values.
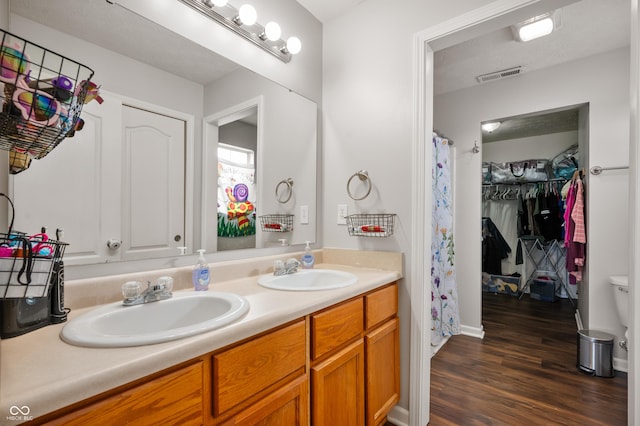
(445, 316)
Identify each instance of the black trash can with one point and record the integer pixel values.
(595, 353)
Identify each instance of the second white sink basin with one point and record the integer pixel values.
(309, 280)
(185, 314)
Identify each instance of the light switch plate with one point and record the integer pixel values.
(342, 213)
(304, 215)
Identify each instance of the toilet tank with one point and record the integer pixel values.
(620, 285)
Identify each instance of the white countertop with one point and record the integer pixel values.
(40, 371)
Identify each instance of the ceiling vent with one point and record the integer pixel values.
(510, 72)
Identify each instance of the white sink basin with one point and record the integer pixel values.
(309, 280)
(184, 315)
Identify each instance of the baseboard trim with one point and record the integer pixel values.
(477, 332)
(398, 416)
(621, 364)
(436, 348)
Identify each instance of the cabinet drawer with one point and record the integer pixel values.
(381, 305)
(336, 326)
(245, 370)
(172, 399)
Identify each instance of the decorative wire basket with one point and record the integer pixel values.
(276, 222)
(41, 95)
(370, 225)
(26, 264)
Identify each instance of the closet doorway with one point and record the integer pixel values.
(528, 162)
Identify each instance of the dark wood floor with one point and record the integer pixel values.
(523, 372)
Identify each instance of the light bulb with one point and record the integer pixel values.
(247, 14)
(294, 45)
(536, 29)
(272, 31)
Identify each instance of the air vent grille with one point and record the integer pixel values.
(510, 72)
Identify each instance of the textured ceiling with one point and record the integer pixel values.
(588, 27)
(542, 123)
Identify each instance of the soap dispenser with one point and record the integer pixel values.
(200, 275)
(307, 258)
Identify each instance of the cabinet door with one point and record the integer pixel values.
(337, 388)
(383, 370)
(288, 406)
(153, 187)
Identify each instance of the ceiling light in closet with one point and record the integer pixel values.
(491, 126)
(536, 27)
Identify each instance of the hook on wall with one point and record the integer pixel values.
(476, 148)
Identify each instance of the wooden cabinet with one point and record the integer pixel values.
(382, 347)
(361, 380)
(337, 396)
(176, 397)
(332, 328)
(288, 406)
(247, 372)
(339, 366)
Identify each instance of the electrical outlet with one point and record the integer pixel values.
(304, 215)
(342, 214)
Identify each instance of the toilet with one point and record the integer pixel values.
(620, 287)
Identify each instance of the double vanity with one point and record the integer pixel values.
(282, 356)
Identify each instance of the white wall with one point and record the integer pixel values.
(368, 120)
(459, 114)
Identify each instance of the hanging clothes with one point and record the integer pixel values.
(494, 248)
(575, 238)
(445, 316)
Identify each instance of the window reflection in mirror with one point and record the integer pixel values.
(237, 184)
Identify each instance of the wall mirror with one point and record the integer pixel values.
(150, 74)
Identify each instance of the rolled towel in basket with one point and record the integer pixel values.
(372, 228)
(278, 226)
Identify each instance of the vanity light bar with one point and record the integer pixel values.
(228, 17)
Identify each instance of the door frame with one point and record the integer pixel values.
(442, 35)
(211, 124)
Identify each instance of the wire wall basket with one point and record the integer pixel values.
(370, 225)
(276, 222)
(41, 94)
(26, 264)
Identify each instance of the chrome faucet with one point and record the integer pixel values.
(133, 294)
(285, 268)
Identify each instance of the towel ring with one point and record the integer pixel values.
(289, 183)
(363, 175)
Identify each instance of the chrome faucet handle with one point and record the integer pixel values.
(278, 267)
(292, 263)
(131, 289)
(165, 284)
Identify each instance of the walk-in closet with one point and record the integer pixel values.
(533, 205)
